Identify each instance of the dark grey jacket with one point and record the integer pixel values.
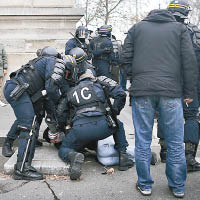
(160, 54)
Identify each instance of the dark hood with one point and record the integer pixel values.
(160, 15)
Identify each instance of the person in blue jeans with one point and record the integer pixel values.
(164, 70)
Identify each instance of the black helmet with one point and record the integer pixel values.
(70, 66)
(105, 30)
(82, 32)
(69, 61)
(79, 54)
(38, 52)
(47, 51)
(179, 8)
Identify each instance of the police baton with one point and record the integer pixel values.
(76, 38)
(28, 144)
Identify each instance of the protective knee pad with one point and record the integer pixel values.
(23, 128)
(24, 132)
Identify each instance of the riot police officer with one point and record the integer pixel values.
(39, 107)
(102, 50)
(180, 9)
(80, 40)
(117, 49)
(57, 120)
(26, 86)
(91, 119)
(77, 58)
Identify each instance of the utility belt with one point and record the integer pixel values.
(39, 94)
(92, 107)
(99, 107)
(23, 87)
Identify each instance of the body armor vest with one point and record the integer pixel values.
(196, 34)
(100, 43)
(83, 98)
(31, 75)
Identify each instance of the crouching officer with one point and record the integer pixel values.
(26, 86)
(92, 119)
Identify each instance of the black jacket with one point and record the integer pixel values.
(160, 54)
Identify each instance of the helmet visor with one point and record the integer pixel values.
(83, 33)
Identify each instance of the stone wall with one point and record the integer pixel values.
(37, 3)
(27, 25)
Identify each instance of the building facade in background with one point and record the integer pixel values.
(27, 25)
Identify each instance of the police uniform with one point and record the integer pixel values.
(89, 122)
(79, 41)
(24, 89)
(40, 106)
(191, 113)
(102, 50)
(115, 71)
(72, 43)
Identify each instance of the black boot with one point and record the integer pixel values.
(163, 150)
(7, 147)
(124, 162)
(28, 173)
(154, 159)
(130, 100)
(190, 151)
(76, 160)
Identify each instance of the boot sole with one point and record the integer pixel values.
(7, 155)
(16, 177)
(193, 170)
(75, 169)
(125, 168)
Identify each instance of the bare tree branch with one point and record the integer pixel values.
(115, 6)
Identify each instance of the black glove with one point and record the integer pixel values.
(116, 111)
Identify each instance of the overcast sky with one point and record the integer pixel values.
(143, 7)
(154, 4)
